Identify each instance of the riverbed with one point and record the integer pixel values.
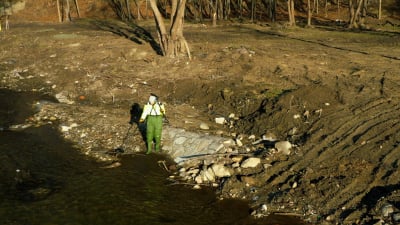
(46, 180)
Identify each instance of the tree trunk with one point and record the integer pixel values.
(380, 10)
(292, 21)
(220, 9)
(172, 43)
(293, 17)
(68, 12)
(363, 12)
(309, 13)
(228, 9)
(128, 9)
(77, 8)
(59, 11)
(316, 7)
(147, 9)
(355, 15)
(214, 13)
(139, 15)
(241, 8)
(351, 11)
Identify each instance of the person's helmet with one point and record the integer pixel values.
(152, 99)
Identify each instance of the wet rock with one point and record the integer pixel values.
(196, 187)
(19, 127)
(112, 165)
(251, 162)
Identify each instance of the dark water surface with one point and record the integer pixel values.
(44, 180)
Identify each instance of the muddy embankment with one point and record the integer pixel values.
(333, 95)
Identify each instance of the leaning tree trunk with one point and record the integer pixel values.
(77, 8)
(172, 43)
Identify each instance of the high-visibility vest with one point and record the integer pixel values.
(157, 109)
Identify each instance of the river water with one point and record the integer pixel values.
(44, 180)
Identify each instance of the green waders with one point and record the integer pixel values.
(154, 129)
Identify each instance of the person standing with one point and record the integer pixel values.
(153, 113)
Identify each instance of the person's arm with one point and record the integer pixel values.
(162, 109)
(144, 113)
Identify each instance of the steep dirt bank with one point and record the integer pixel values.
(333, 93)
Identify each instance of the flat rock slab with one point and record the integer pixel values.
(181, 144)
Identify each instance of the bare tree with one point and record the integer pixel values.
(309, 13)
(77, 8)
(380, 10)
(172, 43)
(355, 13)
(121, 8)
(59, 11)
(68, 11)
(290, 5)
(64, 9)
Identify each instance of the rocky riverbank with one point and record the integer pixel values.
(301, 122)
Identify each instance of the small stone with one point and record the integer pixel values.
(396, 217)
(204, 126)
(219, 132)
(269, 137)
(264, 208)
(237, 158)
(235, 165)
(65, 128)
(386, 210)
(239, 143)
(196, 187)
(198, 179)
(229, 142)
(330, 218)
(220, 170)
(220, 120)
(267, 165)
(251, 162)
(209, 175)
(283, 147)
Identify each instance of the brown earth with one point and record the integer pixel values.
(331, 92)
